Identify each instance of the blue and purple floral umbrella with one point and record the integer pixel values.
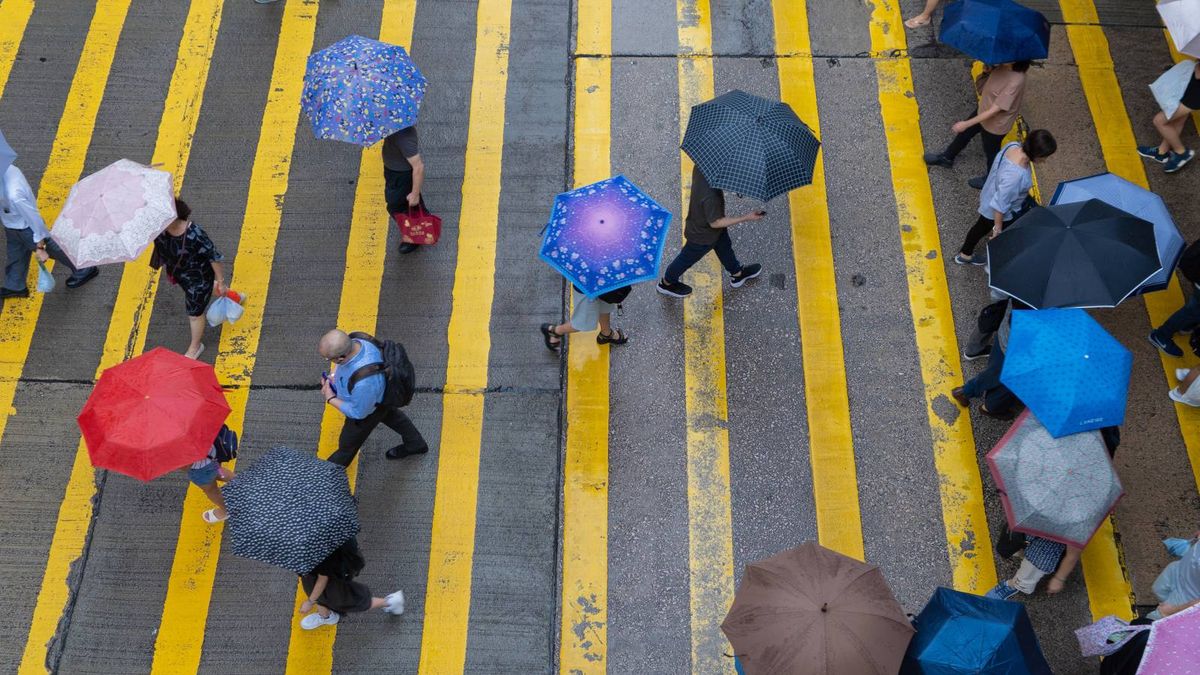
(605, 235)
(361, 91)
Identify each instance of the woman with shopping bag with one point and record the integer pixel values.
(1178, 94)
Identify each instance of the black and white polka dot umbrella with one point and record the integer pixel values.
(290, 509)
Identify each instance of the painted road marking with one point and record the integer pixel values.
(189, 590)
(710, 519)
(968, 539)
(831, 443)
(584, 637)
(126, 335)
(14, 17)
(452, 545)
(311, 651)
(1109, 590)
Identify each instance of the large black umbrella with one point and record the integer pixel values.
(750, 145)
(1084, 254)
(290, 509)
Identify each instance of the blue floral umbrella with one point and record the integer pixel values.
(361, 91)
(605, 235)
(1070, 372)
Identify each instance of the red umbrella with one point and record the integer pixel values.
(153, 414)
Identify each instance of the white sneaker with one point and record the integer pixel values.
(395, 603)
(1181, 373)
(315, 620)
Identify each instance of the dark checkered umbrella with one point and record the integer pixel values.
(750, 145)
(290, 509)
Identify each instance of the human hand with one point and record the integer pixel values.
(306, 606)
(1055, 586)
(42, 256)
(326, 388)
(755, 215)
(218, 288)
(959, 127)
(414, 198)
(1166, 609)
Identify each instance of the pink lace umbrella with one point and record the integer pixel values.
(1174, 645)
(114, 214)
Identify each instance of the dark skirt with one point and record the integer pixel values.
(340, 595)
(197, 288)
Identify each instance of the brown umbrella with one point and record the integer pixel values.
(813, 610)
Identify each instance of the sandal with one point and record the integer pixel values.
(548, 333)
(616, 337)
(210, 517)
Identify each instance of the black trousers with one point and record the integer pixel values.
(978, 231)
(991, 144)
(397, 185)
(355, 433)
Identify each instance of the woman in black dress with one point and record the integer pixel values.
(188, 258)
(331, 589)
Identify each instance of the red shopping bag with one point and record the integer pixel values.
(418, 226)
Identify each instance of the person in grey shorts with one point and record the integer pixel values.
(589, 314)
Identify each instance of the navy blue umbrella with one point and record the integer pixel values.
(963, 633)
(996, 31)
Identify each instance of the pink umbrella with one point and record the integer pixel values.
(114, 214)
(1174, 645)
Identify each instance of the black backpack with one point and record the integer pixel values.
(1189, 262)
(226, 444)
(397, 370)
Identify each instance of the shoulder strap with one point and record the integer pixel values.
(362, 373)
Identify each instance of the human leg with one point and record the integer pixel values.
(689, 255)
(1027, 578)
(19, 247)
(354, 434)
(411, 441)
(724, 250)
(924, 17)
(196, 329)
(1170, 130)
(960, 140)
(1183, 319)
(978, 231)
(396, 186)
(991, 148)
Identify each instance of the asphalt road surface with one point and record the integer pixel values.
(585, 513)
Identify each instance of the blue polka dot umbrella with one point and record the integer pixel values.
(361, 91)
(606, 235)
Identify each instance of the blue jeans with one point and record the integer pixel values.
(1184, 319)
(20, 247)
(691, 254)
(996, 397)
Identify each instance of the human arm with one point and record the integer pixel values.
(218, 278)
(992, 111)
(722, 223)
(418, 179)
(1065, 567)
(317, 590)
(1167, 609)
(330, 397)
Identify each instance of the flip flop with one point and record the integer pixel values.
(914, 23)
(547, 333)
(198, 352)
(210, 517)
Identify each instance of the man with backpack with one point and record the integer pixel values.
(372, 380)
(1187, 317)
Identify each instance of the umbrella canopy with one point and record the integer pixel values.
(153, 414)
(1137, 201)
(1055, 488)
(7, 156)
(1173, 646)
(811, 609)
(1086, 254)
(963, 633)
(114, 214)
(1067, 369)
(1182, 18)
(290, 509)
(996, 31)
(605, 235)
(361, 91)
(751, 145)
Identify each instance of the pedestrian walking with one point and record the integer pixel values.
(205, 473)
(707, 229)
(1170, 151)
(1042, 558)
(190, 260)
(1000, 97)
(332, 591)
(1005, 194)
(990, 338)
(924, 17)
(587, 315)
(25, 234)
(1187, 317)
(367, 400)
(404, 175)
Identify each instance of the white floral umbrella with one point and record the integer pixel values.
(114, 214)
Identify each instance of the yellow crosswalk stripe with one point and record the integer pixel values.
(311, 651)
(1109, 590)
(14, 17)
(831, 443)
(710, 519)
(961, 488)
(584, 647)
(130, 318)
(178, 646)
(452, 545)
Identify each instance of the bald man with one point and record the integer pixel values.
(361, 404)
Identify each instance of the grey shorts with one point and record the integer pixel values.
(586, 314)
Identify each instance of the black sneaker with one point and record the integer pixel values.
(748, 272)
(987, 350)
(401, 451)
(77, 281)
(1168, 347)
(675, 290)
(408, 248)
(9, 293)
(977, 182)
(938, 159)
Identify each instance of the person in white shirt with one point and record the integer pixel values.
(26, 234)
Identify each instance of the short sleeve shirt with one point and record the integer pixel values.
(706, 206)
(398, 147)
(1005, 88)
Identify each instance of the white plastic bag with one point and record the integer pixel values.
(218, 311)
(1169, 86)
(45, 280)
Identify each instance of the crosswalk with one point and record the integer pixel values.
(575, 627)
